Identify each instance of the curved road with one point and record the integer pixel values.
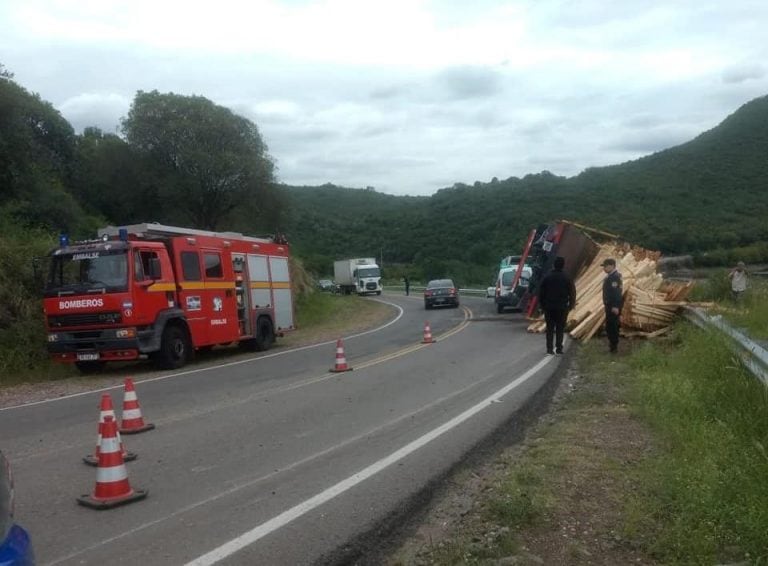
(275, 460)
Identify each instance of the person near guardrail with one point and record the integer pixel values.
(407, 285)
(557, 296)
(738, 277)
(613, 297)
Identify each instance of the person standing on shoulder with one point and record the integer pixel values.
(738, 277)
(407, 285)
(613, 298)
(557, 296)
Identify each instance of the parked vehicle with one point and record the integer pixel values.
(504, 292)
(325, 285)
(357, 275)
(15, 544)
(161, 291)
(441, 292)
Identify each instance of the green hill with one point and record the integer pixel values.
(706, 194)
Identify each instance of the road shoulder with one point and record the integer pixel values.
(554, 498)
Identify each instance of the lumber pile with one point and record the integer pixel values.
(650, 302)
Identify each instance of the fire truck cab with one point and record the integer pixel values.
(149, 290)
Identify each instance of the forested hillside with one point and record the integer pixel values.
(706, 196)
(187, 161)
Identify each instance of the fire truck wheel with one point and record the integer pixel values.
(90, 367)
(174, 349)
(265, 335)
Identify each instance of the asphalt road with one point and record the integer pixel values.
(274, 460)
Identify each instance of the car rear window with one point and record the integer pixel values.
(440, 283)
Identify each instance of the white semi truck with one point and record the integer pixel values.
(358, 275)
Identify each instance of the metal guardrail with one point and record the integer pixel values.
(752, 354)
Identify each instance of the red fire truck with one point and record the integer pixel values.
(149, 290)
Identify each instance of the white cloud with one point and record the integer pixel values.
(102, 110)
(406, 94)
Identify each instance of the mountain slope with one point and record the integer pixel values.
(704, 194)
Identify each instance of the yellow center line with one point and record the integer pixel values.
(468, 315)
(329, 375)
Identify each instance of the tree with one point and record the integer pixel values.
(220, 163)
(36, 147)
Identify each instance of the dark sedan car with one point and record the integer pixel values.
(15, 547)
(441, 292)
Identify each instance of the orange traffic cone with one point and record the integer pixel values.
(427, 334)
(106, 410)
(112, 485)
(341, 360)
(132, 421)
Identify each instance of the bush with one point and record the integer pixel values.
(22, 334)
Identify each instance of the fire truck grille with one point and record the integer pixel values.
(85, 319)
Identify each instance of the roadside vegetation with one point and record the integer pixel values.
(749, 314)
(653, 457)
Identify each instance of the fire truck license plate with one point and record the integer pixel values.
(87, 357)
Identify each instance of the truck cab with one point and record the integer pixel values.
(367, 279)
(101, 297)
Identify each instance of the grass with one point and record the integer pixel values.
(320, 311)
(657, 456)
(749, 313)
(704, 496)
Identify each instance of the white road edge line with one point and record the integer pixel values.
(230, 364)
(250, 537)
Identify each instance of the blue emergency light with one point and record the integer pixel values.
(123, 234)
(63, 240)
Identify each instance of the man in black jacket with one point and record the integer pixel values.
(557, 296)
(613, 298)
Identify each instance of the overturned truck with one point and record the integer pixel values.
(651, 303)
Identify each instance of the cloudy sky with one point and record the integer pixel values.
(407, 96)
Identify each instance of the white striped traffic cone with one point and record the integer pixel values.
(427, 334)
(341, 360)
(132, 420)
(112, 485)
(106, 410)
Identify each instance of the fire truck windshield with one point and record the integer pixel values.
(88, 272)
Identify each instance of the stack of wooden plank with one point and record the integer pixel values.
(650, 302)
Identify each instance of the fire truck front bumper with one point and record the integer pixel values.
(110, 344)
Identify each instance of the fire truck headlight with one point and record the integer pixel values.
(53, 338)
(126, 333)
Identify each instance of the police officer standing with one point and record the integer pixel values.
(612, 300)
(557, 296)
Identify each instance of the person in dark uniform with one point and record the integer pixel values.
(407, 285)
(557, 296)
(612, 300)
